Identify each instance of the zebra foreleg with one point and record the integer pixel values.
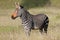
(27, 31)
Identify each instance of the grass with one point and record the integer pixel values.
(8, 4)
(55, 3)
(13, 30)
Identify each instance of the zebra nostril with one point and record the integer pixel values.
(12, 17)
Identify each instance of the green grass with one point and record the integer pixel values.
(7, 28)
(8, 4)
(55, 3)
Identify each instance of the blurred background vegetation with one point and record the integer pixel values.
(8, 4)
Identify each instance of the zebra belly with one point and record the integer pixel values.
(36, 28)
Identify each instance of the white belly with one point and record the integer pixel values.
(36, 27)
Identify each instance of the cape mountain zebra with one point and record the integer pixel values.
(29, 21)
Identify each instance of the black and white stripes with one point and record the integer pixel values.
(30, 21)
(39, 21)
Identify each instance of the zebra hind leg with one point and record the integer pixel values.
(46, 25)
(45, 28)
(41, 29)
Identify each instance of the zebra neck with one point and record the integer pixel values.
(25, 17)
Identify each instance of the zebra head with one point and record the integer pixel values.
(17, 12)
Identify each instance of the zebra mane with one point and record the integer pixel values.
(26, 14)
(21, 6)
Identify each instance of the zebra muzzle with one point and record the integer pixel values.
(14, 16)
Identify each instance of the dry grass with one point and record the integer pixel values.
(13, 30)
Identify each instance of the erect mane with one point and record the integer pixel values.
(21, 6)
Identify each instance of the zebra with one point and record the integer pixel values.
(29, 21)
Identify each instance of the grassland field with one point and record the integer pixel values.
(13, 29)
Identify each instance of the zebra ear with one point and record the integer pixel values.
(17, 4)
(21, 6)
